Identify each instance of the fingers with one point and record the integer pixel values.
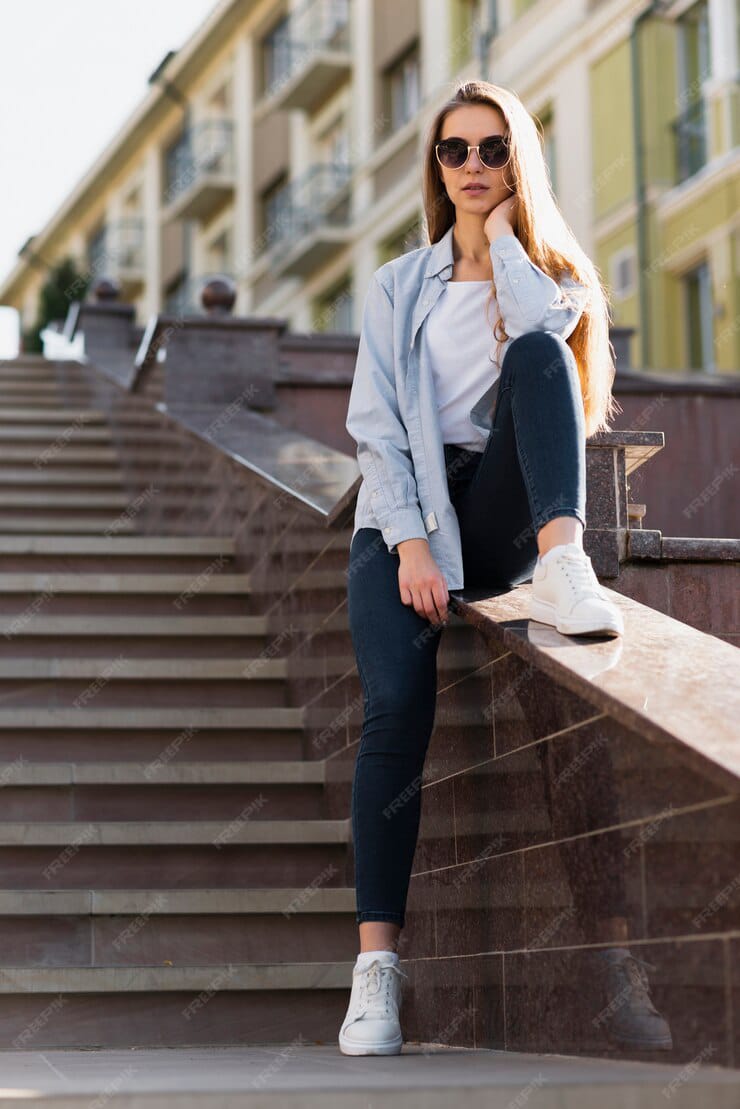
(430, 602)
(429, 597)
(441, 598)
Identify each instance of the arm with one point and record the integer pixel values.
(529, 299)
(374, 422)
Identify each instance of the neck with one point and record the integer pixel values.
(469, 242)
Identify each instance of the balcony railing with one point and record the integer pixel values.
(316, 199)
(200, 167)
(312, 58)
(119, 250)
(312, 222)
(690, 138)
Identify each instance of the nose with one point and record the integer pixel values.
(474, 161)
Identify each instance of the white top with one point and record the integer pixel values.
(458, 341)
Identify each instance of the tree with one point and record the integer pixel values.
(64, 285)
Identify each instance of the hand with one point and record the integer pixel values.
(421, 582)
(502, 219)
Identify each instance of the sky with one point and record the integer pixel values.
(70, 75)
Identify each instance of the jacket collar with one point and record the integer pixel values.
(440, 255)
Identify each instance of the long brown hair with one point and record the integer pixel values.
(544, 234)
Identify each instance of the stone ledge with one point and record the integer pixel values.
(662, 678)
(647, 544)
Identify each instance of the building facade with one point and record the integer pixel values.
(282, 145)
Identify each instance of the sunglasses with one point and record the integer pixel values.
(454, 153)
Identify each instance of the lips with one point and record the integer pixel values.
(475, 188)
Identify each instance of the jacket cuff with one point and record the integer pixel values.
(508, 246)
(404, 523)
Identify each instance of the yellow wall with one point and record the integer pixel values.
(613, 166)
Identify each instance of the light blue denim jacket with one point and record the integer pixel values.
(392, 413)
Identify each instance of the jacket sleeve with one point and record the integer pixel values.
(374, 422)
(528, 298)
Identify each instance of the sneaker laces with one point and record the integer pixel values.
(580, 573)
(374, 990)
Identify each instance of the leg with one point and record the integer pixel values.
(532, 475)
(396, 651)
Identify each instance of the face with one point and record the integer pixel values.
(473, 123)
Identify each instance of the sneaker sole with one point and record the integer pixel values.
(545, 613)
(392, 1047)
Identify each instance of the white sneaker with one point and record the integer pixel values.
(371, 1026)
(566, 593)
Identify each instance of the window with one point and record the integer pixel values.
(97, 252)
(698, 316)
(694, 67)
(333, 310)
(402, 89)
(275, 210)
(333, 144)
(276, 56)
(622, 277)
(177, 295)
(219, 253)
(177, 166)
(464, 30)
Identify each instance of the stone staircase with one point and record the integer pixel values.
(161, 831)
(168, 871)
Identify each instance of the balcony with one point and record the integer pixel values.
(315, 224)
(199, 171)
(118, 252)
(690, 139)
(314, 58)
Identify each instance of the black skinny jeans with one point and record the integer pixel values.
(533, 469)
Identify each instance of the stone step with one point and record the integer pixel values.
(112, 476)
(177, 584)
(156, 747)
(166, 902)
(309, 1073)
(138, 626)
(67, 413)
(126, 553)
(36, 386)
(44, 375)
(68, 668)
(65, 524)
(130, 582)
(56, 436)
(193, 801)
(10, 414)
(44, 398)
(169, 1006)
(55, 500)
(112, 980)
(169, 499)
(132, 717)
(89, 456)
(105, 928)
(150, 833)
(23, 773)
(84, 478)
(150, 545)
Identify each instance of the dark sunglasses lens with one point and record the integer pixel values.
(452, 154)
(495, 153)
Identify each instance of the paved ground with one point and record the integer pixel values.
(297, 1076)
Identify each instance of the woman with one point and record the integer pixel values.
(505, 310)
